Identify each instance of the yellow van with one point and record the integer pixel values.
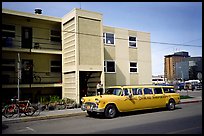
(130, 98)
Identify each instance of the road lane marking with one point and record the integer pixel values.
(26, 129)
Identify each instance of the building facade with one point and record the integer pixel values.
(170, 64)
(68, 56)
(189, 68)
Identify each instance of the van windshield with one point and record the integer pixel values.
(114, 91)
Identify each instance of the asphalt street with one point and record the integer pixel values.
(185, 119)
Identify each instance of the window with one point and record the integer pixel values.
(148, 91)
(133, 67)
(137, 91)
(56, 66)
(125, 92)
(55, 36)
(109, 66)
(8, 65)
(108, 38)
(8, 33)
(158, 91)
(115, 91)
(132, 41)
(169, 90)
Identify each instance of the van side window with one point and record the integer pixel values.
(168, 90)
(137, 91)
(148, 91)
(158, 91)
(125, 92)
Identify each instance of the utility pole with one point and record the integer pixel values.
(19, 77)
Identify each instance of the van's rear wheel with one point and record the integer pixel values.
(110, 111)
(171, 105)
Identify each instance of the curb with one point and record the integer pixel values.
(190, 101)
(43, 117)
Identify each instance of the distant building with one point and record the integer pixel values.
(170, 64)
(189, 68)
(158, 79)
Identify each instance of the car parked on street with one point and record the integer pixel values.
(181, 86)
(130, 98)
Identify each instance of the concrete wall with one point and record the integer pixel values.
(122, 54)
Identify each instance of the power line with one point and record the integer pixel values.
(101, 36)
(182, 43)
(137, 40)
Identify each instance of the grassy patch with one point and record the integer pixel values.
(185, 97)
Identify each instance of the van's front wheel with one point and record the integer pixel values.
(171, 105)
(110, 111)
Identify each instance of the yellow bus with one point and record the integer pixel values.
(130, 98)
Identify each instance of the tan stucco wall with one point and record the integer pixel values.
(81, 50)
(144, 58)
(123, 55)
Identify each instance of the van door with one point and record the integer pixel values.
(125, 103)
(138, 98)
(148, 100)
(159, 97)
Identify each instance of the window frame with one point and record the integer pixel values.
(131, 67)
(55, 66)
(9, 66)
(105, 36)
(149, 89)
(55, 36)
(137, 91)
(106, 67)
(132, 41)
(157, 88)
(6, 28)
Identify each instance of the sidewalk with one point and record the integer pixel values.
(69, 113)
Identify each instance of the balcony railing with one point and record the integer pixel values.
(17, 44)
(35, 78)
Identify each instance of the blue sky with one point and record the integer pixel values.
(168, 22)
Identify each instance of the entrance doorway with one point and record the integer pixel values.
(88, 81)
(27, 71)
(26, 37)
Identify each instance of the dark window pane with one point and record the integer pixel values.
(132, 44)
(133, 64)
(8, 61)
(55, 33)
(8, 68)
(110, 66)
(132, 38)
(56, 39)
(147, 91)
(109, 38)
(8, 34)
(133, 69)
(8, 27)
(157, 90)
(56, 63)
(56, 69)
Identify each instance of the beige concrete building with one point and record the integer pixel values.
(71, 54)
